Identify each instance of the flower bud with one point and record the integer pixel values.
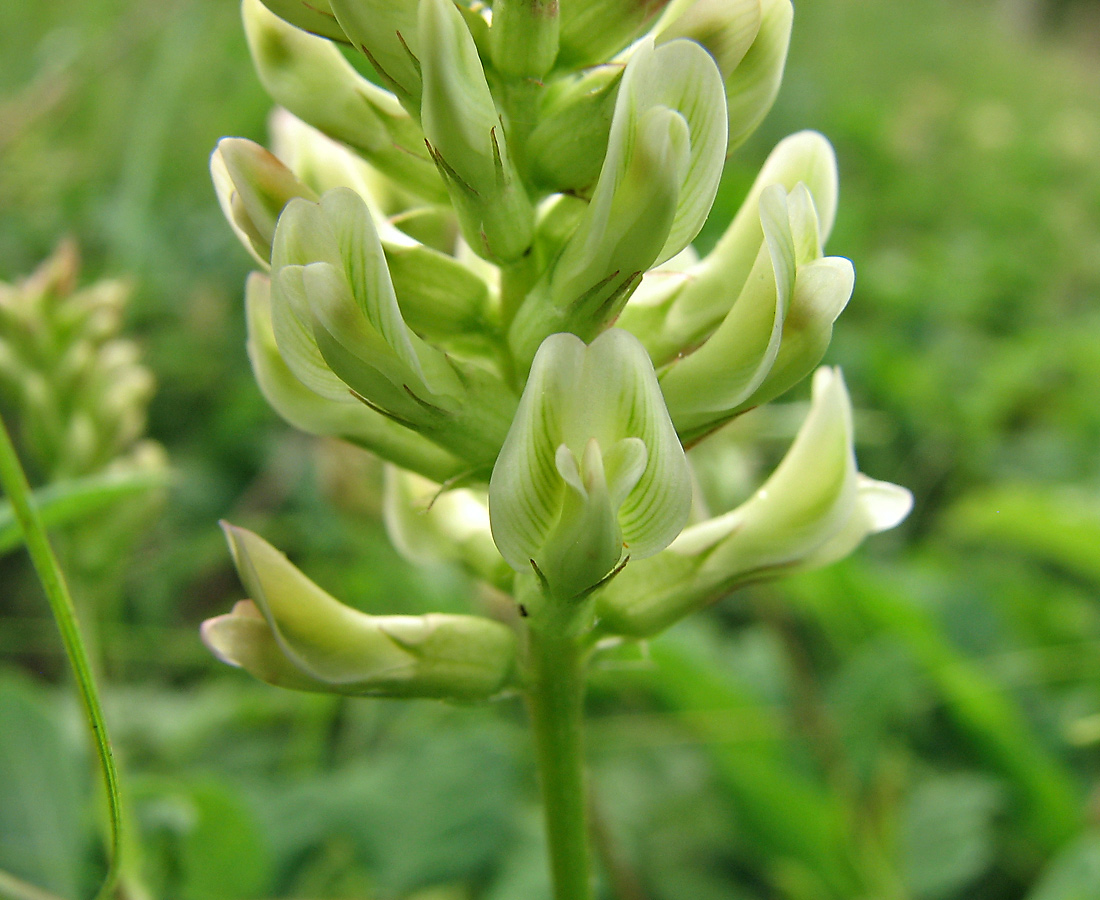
(566, 148)
(311, 78)
(594, 32)
(591, 467)
(340, 416)
(387, 33)
(338, 327)
(466, 138)
(523, 39)
(816, 508)
(428, 523)
(316, 17)
(658, 182)
(295, 635)
(252, 188)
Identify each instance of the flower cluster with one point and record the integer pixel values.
(75, 385)
(477, 264)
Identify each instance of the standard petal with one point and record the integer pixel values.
(525, 492)
(687, 311)
(657, 183)
(627, 402)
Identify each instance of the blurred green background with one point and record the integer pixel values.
(919, 722)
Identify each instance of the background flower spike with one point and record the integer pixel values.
(591, 470)
(330, 646)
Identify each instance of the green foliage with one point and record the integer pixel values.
(44, 791)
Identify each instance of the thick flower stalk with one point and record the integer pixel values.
(477, 264)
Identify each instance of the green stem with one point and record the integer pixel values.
(555, 700)
(14, 482)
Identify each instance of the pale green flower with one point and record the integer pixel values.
(293, 634)
(658, 181)
(591, 471)
(816, 508)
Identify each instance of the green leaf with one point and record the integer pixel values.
(43, 792)
(223, 854)
(789, 816)
(947, 834)
(1074, 874)
(66, 502)
(1049, 523)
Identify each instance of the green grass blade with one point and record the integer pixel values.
(69, 501)
(14, 482)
